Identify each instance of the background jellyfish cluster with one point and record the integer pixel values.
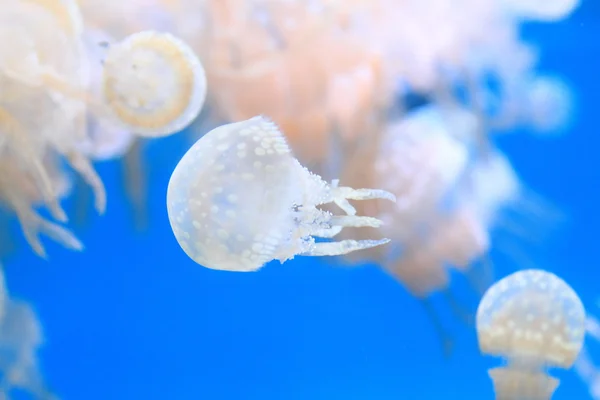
(408, 185)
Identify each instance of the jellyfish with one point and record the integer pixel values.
(20, 193)
(541, 10)
(153, 83)
(550, 104)
(421, 160)
(20, 338)
(239, 199)
(535, 321)
(148, 85)
(294, 61)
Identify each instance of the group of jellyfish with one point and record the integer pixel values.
(317, 128)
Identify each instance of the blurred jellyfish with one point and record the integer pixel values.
(87, 104)
(298, 63)
(421, 159)
(535, 321)
(150, 84)
(544, 104)
(122, 18)
(19, 191)
(551, 104)
(239, 199)
(153, 83)
(542, 10)
(20, 338)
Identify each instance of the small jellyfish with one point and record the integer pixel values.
(239, 199)
(535, 321)
(153, 83)
(551, 103)
(21, 337)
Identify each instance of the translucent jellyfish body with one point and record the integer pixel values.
(20, 338)
(310, 75)
(551, 103)
(153, 83)
(420, 160)
(20, 192)
(542, 10)
(534, 320)
(239, 199)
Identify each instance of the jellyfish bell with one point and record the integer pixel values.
(153, 83)
(420, 160)
(541, 10)
(519, 220)
(106, 141)
(534, 320)
(239, 199)
(550, 104)
(490, 184)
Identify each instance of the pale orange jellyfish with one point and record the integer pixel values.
(296, 65)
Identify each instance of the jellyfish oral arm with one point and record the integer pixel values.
(342, 247)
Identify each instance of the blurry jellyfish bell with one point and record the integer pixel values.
(459, 239)
(541, 10)
(106, 141)
(535, 321)
(239, 199)
(550, 104)
(490, 185)
(421, 159)
(153, 83)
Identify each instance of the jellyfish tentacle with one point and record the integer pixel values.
(342, 247)
(458, 309)
(84, 167)
(33, 225)
(327, 233)
(348, 193)
(445, 338)
(356, 221)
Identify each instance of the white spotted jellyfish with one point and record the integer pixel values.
(153, 83)
(535, 321)
(239, 199)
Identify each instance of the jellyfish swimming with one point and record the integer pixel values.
(239, 199)
(535, 321)
(153, 83)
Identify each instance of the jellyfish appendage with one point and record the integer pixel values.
(510, 384)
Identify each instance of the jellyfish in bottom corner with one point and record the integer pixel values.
(239, 199)
(20, 339)
(535, 321)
